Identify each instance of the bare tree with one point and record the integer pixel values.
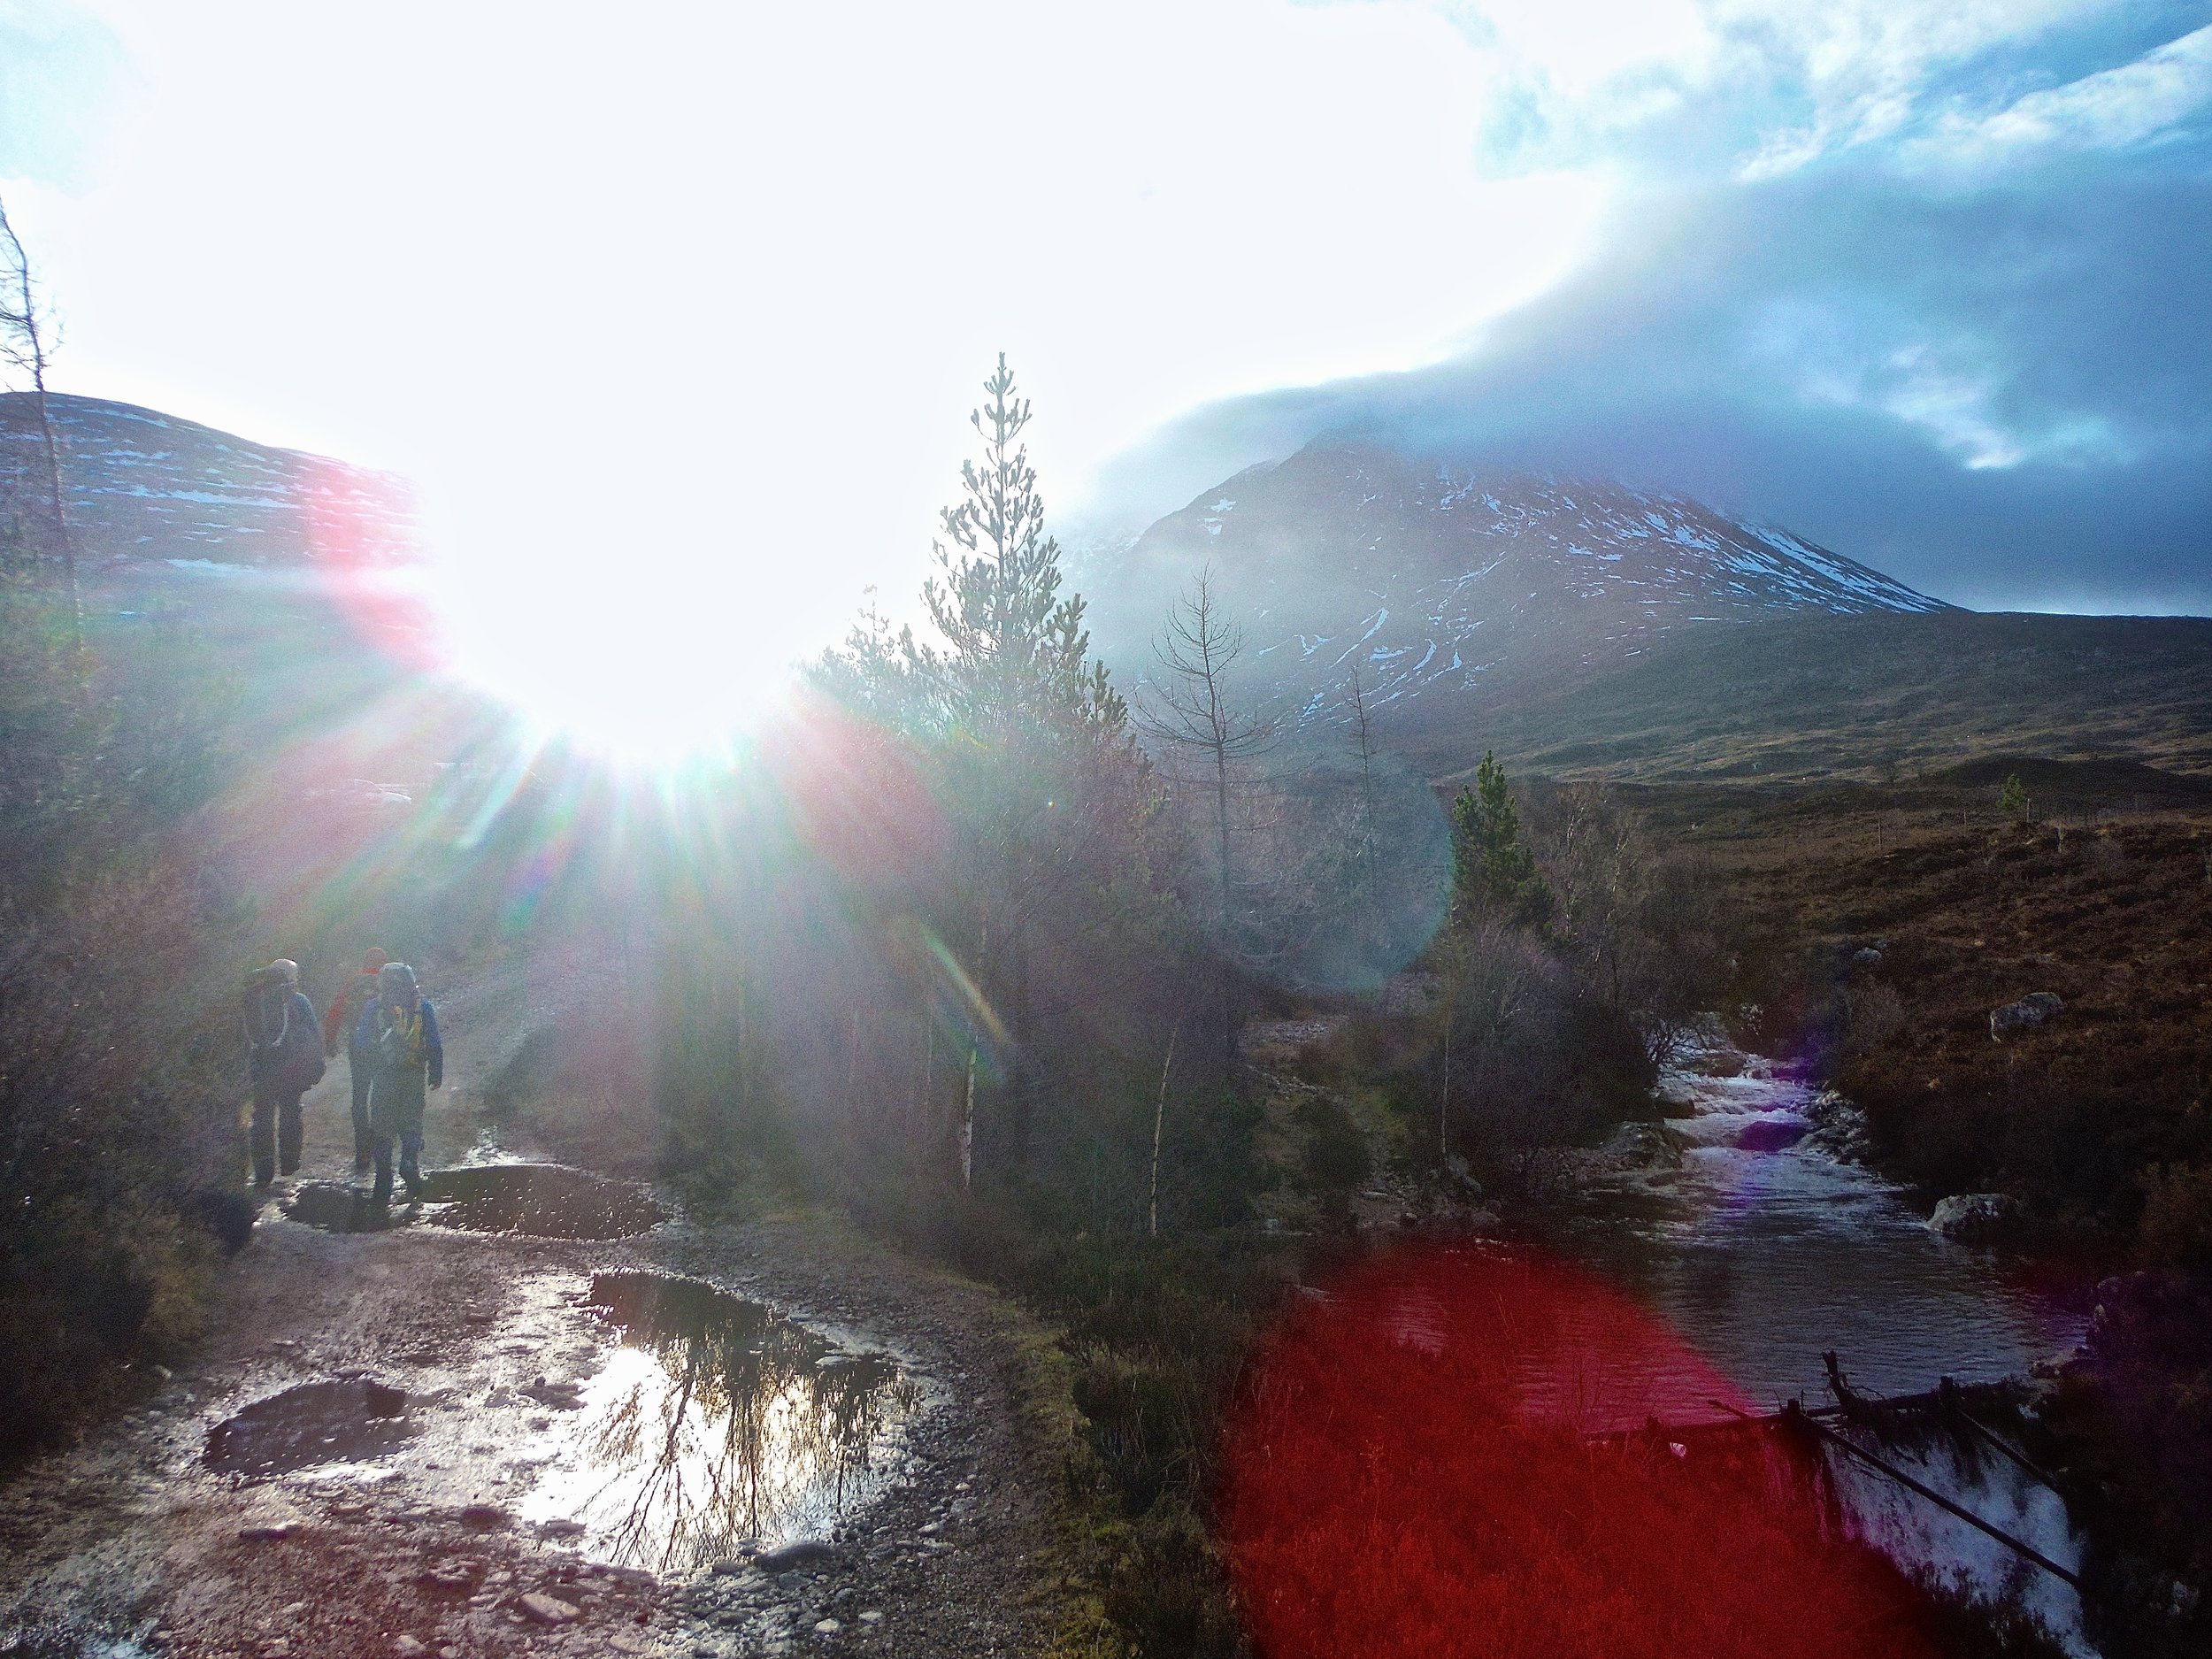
(1363, 735)
(1188, 707)
(26, 346)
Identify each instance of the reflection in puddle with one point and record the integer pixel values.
(316, 1423)
(714, 1423)
(336, 1208)
(544, 1201)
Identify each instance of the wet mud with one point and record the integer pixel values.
(542, 1201)
(350, 1421)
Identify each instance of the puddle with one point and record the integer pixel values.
(354, 1421)
(544, 1201)
(336, 1208)
(714, 1422)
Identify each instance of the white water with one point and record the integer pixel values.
(1763, 1246)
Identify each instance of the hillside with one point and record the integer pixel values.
(143, 484)
(1866, 696)
(1441, 584)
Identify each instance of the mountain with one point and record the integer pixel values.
(1443, 584)
(143, 486)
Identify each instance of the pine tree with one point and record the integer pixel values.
(1049, 804)
(1016, 651)
(1494, 868)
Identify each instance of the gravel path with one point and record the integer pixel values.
(133, 1544)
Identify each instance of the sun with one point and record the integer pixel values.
(650, 658)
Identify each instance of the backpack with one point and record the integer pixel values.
(303, 1056)
(284, 1047)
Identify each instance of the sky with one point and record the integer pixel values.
(674, 313)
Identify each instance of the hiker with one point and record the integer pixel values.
(399, 1032)
(345, 1016)
(284, 1059)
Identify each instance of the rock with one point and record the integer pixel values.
(1867, 957)
(453, 1576)
(806, 1553)
(826, 1627)
(1769, 1135)
(550, 1610)
(1973, 1217)
(410, 1647)
(262, 1534)
(560, 1529)
(870, 1616)
(485, 1518)
(2035, 1010)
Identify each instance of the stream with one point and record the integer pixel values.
(1762, 1244)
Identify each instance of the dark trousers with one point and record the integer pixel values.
(276, 1132)
(395, 1110)
(364, 1070)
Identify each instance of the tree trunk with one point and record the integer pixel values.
(967, 1128)
(1159, 1119)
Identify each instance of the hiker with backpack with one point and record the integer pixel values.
(284, 1059)
(399, 1031)
(345, 1016)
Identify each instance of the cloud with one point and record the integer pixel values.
(60, 73)
(1941, 299)
(2143, 102)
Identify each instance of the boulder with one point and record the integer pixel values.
(806, 1553)
(1772, 1134)
(1973, 1217)
(2031, 1010)
(550, 1610)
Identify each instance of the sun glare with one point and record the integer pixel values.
(650, 658)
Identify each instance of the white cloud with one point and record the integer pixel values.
(2111, 109)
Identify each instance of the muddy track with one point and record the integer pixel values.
(428, 1524)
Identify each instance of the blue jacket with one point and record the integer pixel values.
(428, 1052)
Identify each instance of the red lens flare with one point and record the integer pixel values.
(1411, 1469)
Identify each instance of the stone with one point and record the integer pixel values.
(550, 1610)
(262, 1534)
(410, 1647)
(806, 1553)
(1973, 1217)
(826, 1627)
(453, 1576)
(1867, 957)
(2037, 1008)
(484, 1517)
(870, 1616)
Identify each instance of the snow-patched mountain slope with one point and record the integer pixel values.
(144, 485)
(1432, 578)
